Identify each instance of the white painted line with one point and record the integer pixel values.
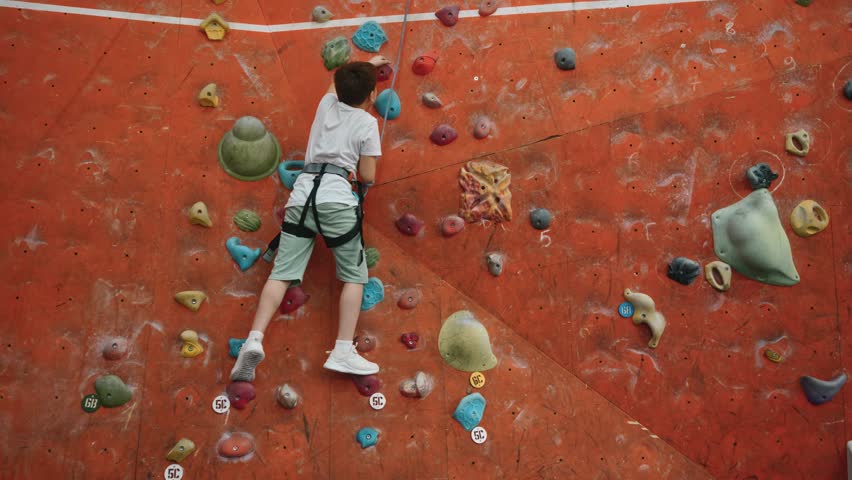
(343, 22)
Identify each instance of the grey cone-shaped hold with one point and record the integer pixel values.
(249, 152)
(540, 218)
(464, 343)
(820, 391)
(565, 58)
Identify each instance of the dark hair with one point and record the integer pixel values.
(355, 82)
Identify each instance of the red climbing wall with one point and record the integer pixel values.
(104, 148)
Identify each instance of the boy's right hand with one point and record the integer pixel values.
(379, 60)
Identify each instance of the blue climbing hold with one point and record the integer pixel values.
(374, 292)
(367, 437)
(820, 391)
(565, 59)
(288, 171)
(370, 37)
(243, 255)
(470, 410)
(234, 346)
(625, 309)
(388, 103)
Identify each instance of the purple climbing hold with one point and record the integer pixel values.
(383, 73)
(367, 384)
(487, 7)
(408, 224)
(483, 127)
(451, 225)
(293, 299)
(443, 135)
(449, 16)
(410, 340)
(240, 394)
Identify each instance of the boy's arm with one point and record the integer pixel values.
(367, 169)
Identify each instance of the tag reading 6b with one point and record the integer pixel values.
(91, 402)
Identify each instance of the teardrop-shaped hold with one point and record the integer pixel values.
(191, 344)
(408, 388)
(321, 14)
(384, 73)
(565, 58)
(443, 135)
(487, 7)
(288, 171)
(335, 52)
(448, 16)
(464, 343)
(367, 437)
(718, 275)
(683, 270)
(374, 292)
(424, 383)
(470, 410)
(760, 176)
(409, 225)
(820, 391)
(208, 96)
(240, 394)
(367, 384)
(483, 127)
(388, 104)
(198, 215)
(234, 346)
(495, 261)
(287, 397)
(247, 221)
(409, 298)
(808, 218)
(243, 255)
(191, 299)
(236, 445)
(112, 391)
(410, 340)
(749, 237)
(365, 342)
(370, 37)
(540, 218)
(294, 299)
(115, 348)
(451, 225)
(431, 100)
(373, 256)
(182, 449)
(424, 64)
(645, 312)
(798, 143)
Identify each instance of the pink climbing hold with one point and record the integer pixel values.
(409, 298)
(443, 135)
(408, 224)
(483, 127)
(240, 394)
(410, 340)
(384, 73)
(367, 384)
(424, 64)
(451, 225)
(487, 7)
(115, 348)
(449, 16)
(237, 445)
(293, 299)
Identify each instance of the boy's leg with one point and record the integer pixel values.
(350, 308)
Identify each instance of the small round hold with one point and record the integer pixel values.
(365, 343)
(451, 225)
(321, 14)
(487, 7)
(477, 380)
(443, 135)
(377, 401)
(540, 218)
(431, 100)
(495, 263)
(384, 73)
(847, 90)
(565, 59)
(409, 225)
(482, 128)
(409, 298)
(478, 435)
(448, 16)
(772, 355)
(410, 340)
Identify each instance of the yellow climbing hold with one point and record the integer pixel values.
(182, 449)
(646, 312)
(772, 355)
(191, 299)
(477, 380)
(191, 344)
(208, 96)
(198, 215)
(215, 26)
(808, 218)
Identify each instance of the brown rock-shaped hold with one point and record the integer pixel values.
(451, 225)
(483, 127)
(208, 96)
(487, 7)
(443, 135)
(485, 192)
(287, 397)
(808, 218)
(448, 16)
(409, 225)
(182, 449)
(215, 26)
(236, 445)
(718, 275)
(198, 215)
(367, 384)
(409, 298)
(645, 312)
(191, 299)
(365, 342)
(115, 348)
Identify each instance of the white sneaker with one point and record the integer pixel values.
(251, 353)
(347, 360)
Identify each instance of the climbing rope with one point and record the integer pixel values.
(396, 66)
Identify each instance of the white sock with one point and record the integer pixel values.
(342, 346)
(255, 335)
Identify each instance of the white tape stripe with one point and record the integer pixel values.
(344, 22)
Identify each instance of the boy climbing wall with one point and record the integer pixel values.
(344, 139)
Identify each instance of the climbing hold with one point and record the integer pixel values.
(287, 397)
(565, 58)
(772, 355)
(808, 218)
(215, 26)
(443, 135)
(247, 221)
(477, 380)
(191, 344)
(367, 384)
(646, 313)
(248, 151)
(483, 127)
(847, 90)
(424, 383)
(236, 445)
(208, 96)
(749, 237)
(321, 14)
(374, 292)
(718, 275)
(198, 215)
(683, 270)
(408, 388)
(115, 348)
(182, 449)
(370, 37)
(191, 299)
(451, 225)
(820, 391)
(540, 218)
(234, 346)
(798, 143)
(409, 225)
(365, 342)
(335, 52)
(384, 73)
(409, 298)
(470, 410)
(293, 299)
(367, 437)
(487, 7)
(243, 255)
(485, 192)
(288, 171)
(409, 340)
(424, 64)
(388, 104)
(112, 391)
(760, 176)
(464, 343)
(240, 394)
(449, 16)
(431, 100)
(495, 263)
(372, 255)
(804, 3)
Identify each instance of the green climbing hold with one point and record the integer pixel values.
(372, 255)
(247, 221)
(804, 3)
(464, 343)
(112, 391)
(336, 52)
(249, 152)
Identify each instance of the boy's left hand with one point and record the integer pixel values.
(379, 60)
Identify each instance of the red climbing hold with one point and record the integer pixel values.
(293, 299)
(449, 16)
(483, 127)
(237, 445)
(443, 135)
(410, 340)
(384, 73)
(424, 64)
(487, 7)
(367, 384)
(408, 224)
(451, 225)
(240, 394)
(365, 342)
(409, 298)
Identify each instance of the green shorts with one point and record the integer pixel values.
(293, 254)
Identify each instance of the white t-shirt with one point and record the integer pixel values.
(340, 134)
